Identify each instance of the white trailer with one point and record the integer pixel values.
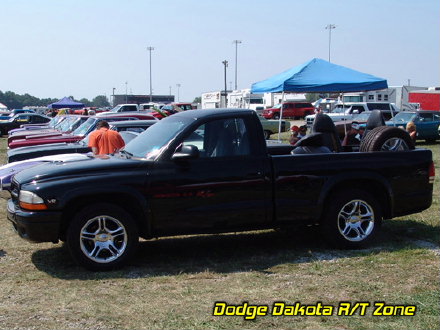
(211, 100)
(398, 95)
(245, 99)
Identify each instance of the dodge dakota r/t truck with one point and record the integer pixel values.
(210, 171)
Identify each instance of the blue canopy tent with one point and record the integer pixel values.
(319, 76)
(66, 102)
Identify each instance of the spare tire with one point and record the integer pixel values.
(386, 138)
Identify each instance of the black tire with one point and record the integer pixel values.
(102, 237)
(267, 134)
(352, 219)
(366, 140)
(386, 138)
(276, 116)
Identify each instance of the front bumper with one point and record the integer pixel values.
(38, 226)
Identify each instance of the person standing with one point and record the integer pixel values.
(105, 141)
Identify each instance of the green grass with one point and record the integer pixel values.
(173, 283)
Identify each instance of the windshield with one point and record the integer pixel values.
(361, 116)
(84, 127)
(278, 106)
(405, 116)
(66, 123)
(150, 143)
(58, 122)
(54, 121)
(339, 109)
(115, 109)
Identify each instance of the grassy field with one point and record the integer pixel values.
(173, 283)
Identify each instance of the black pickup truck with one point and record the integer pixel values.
(210, 171)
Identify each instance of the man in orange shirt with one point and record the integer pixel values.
(105, 141)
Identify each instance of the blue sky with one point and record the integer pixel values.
(84, 48)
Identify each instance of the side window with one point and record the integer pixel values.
(22, 119)
(436, 117)
(221, 138)
(358, 108)
(36, 119)
(135, 129)
(425, 117)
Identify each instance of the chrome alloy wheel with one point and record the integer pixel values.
(356, 220)
(103, 239)
(394, 144)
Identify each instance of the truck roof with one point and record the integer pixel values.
(203, 113)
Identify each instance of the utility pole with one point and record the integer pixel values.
(114, 96)
(329, 27)
(126, 96)
(236, 42)
(151, 85)
(225, 63)
(178, 92)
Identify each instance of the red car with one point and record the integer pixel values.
(293, 110)
(67, 125)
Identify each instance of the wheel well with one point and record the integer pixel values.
(375, 188)
(126, 202)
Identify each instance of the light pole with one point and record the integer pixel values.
(329, 27)
(236, 42)
(126, 96)
(151, 85)
(114, 96)
(178, 92)
(225, 63)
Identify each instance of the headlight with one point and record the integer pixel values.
(31, 201)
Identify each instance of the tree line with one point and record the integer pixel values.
(17, 101)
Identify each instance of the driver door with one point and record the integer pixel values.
(225, 187)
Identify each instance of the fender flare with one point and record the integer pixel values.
(362, 176)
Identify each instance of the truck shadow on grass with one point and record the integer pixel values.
(234, 252)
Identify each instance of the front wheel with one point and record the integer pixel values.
(266, 134)
(352, 220)
(276, 116)
(102, 237)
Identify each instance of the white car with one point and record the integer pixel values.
(341, 112)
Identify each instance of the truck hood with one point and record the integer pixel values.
(84, 167)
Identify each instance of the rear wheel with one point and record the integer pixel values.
(267, 134)
(102, 237)
(352, 219)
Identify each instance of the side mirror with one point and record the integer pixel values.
(187, 152)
